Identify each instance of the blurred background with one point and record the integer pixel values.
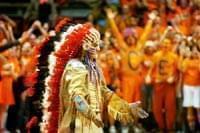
(150, 52)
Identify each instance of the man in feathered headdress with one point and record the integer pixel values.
(77, 89)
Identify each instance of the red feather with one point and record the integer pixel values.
(71, 49)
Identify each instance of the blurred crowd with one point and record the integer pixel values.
(150, 52)
(15, 64)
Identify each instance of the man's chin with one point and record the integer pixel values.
(93, 56)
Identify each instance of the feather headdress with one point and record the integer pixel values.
(69, 46)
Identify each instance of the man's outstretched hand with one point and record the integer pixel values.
(137, 111)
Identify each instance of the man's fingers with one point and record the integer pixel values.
(98, 123)
(142, 114)
(139, 113)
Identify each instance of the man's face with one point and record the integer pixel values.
(150, 50)
(92, 42)
(130, 40)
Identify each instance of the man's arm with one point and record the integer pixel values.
(120, 109)
(120, 41)
(21, 40)
(9, 45)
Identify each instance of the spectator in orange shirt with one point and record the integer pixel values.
(164, 77)
(191, 86)
(6, 88)
(150, 48)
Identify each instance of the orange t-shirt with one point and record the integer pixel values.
(191, 73)
(16, 66)
(6, 88)
(131, 63)
(165, 65)
(131, 76)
